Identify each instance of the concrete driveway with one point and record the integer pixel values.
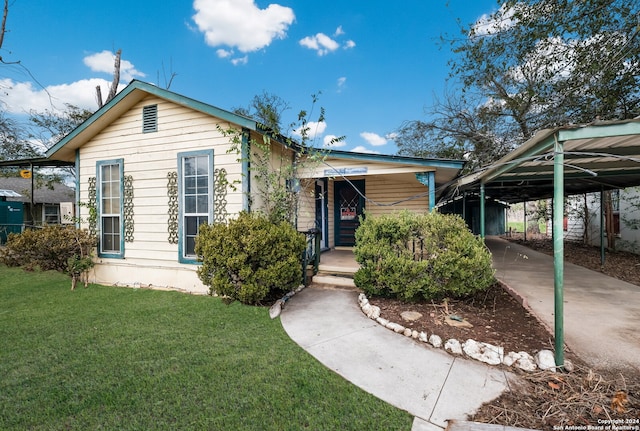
(601, 313)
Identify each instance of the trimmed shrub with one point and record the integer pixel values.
(420, 256)
(250, 258)
(60, 248)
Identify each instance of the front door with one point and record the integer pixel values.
(349, 205)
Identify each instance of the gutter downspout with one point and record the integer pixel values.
(482, 235)
(245, 157)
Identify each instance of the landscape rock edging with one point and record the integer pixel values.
(483, 352)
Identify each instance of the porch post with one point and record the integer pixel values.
(432, 190)
(558, 250)
(464, 206)
(429, 179)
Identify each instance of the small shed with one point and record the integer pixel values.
(468, 207)
(10, 215)
(49, 205)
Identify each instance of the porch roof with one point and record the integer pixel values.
(600, 155)
(336, 163)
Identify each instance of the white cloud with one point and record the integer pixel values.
(314, 130)
(363, 149)
(22, 97)
(342, 82)
(373, 139)
(241, 24)
(321, 43)
(104, 62)
(494, 23)
(240, 60)
(224, 53)
(329, 141)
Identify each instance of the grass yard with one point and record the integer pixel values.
(518, 226)
(135, 359)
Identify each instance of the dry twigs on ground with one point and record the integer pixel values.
(554, 399)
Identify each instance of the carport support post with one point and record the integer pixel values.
(525, 219)
(482, 210)
(558, 250)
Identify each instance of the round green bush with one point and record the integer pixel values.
(420, 256)
(250, 258)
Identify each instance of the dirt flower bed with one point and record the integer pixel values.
(543, 400)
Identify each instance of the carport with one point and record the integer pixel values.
(554, 163)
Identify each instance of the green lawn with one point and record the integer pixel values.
(135, 359)
(518, 226)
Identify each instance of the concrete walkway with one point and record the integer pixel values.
(601, 313)
(428, 383)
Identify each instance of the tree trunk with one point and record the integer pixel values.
(608, 217)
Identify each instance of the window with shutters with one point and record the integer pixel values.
(150, 118)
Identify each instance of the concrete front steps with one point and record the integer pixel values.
(336, 269)
(335, 276)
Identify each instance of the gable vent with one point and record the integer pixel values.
(150, 118)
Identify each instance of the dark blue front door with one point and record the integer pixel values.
(349, 206)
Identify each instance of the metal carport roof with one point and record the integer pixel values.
(597, 156)
(558, 162)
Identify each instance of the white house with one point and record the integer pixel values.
(152, 165)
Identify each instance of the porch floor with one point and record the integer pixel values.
(340, 261)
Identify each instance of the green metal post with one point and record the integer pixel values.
(558, 250)
(525, 220)
(482, 210)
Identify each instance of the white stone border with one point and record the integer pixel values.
(483, 352)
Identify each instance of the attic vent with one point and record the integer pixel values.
(150, 118)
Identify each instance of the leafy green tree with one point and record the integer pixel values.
(531, 65)
(267, 108)
(49, 126)
(13, 144)
(276, 172)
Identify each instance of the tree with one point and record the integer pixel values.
(267, 108)
(49, 126)
(531, 65)
(276, 172)
(13, 145)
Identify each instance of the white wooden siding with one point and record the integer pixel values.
(148, 157)
(383, 191)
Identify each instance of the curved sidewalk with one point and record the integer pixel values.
(601, 313)
(430, 384)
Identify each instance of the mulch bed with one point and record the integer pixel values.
(497, 319)
(580, 400)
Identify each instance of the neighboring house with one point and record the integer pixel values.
(45, 207)
(155, 165)
(626, 219)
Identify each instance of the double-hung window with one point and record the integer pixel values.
(195, 188)
(110, 192)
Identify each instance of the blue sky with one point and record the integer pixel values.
(373, 63)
